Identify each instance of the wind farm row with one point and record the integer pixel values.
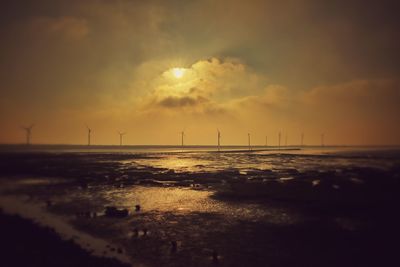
(279, 144)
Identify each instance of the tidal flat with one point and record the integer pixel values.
(300, 207)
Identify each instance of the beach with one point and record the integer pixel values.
(199, 207)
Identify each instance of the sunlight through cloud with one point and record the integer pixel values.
(178, 72)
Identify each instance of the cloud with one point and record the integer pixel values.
(67, 27)
(362, 111)
(176, 102)
(356, 94)
(371, 104)
(359, 109)
(272, 97)
(206, 86)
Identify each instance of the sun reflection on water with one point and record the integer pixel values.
(185, 200)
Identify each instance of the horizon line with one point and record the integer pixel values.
(195, 145)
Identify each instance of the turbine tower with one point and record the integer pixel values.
(322, 139)
(120, 137)
(279, 140)
(28, 131)
(89, 134)
(302, 139)
(248, 138)
(182, 137)
(219, 139)
(266, 140)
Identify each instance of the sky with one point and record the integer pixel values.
(154, 68)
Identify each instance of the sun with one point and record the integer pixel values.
(178, 72)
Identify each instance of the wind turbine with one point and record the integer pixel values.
(89, 133)
(266, 140)
(322, 139)
(28, 131)
(248, 138)
(182, 137)
(219, 139)
(302, 139)
(120, 137)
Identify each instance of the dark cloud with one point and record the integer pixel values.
(178, 102)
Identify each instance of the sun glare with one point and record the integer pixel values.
(178, 72)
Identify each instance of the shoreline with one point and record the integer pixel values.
(41, 218)
(21, 247)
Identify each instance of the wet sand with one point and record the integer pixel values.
(24, 243)
(228, 209)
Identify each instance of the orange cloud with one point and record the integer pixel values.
(206, 86)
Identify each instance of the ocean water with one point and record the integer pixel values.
(309, 206)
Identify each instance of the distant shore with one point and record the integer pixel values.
(7, 148)
(214, 147)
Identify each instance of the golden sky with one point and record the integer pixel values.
(154, 68)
